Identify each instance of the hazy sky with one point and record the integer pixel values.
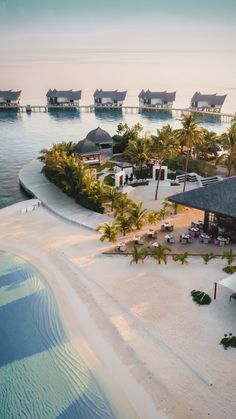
(90, 43)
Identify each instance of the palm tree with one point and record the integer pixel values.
(160, 253)
(111, 193)
(138, 255)
(153, 217)
(163, 213)
(210, 146)
(189, 136)
(229, 146)
(138, 151)
(207, 257)
(181, 258)
(124, 224)
(110, 232)
(138, 215)
(164, 145)
(229, 255)
(121, 204)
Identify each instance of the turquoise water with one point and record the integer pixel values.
(22, 136)
(42, 376)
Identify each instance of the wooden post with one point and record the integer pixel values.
(206, 222)
(215, 290)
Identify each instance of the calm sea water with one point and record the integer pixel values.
(22, 136)
(42, 376)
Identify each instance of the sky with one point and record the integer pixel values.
(114, 43)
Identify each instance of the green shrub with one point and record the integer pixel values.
(144, 182)
(86, 202)
(200, 297)
(228, 341)
(229, 269)
(109, 180)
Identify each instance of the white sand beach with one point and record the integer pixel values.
(156, 352)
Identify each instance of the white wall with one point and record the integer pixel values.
(62, 100)
(202, 104)
(156, 101)
(157, 167)
(126, 170)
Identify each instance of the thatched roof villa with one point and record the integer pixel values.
(63, 97)
(103, 98)
(156, 99)
(10, 98)
(203, 102)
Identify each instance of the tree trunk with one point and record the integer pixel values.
(186, 168)
(158, 180)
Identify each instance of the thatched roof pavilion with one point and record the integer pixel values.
(100, 137)
(217, 200)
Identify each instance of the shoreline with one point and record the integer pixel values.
(131, 320)
(85, 336)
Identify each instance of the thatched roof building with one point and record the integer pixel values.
(161, 99)
(213, 102)
(9, 97)
(109, 97)
(100, 137)
(63, 97)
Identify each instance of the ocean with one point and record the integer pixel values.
(22, 136)
(42, 375)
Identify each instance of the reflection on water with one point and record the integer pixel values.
(158, 115)
(42, 376)
(113, 115)
(22, 136)
(60, 114)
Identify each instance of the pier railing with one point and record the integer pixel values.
(226, 117)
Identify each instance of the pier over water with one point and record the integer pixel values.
(176, 112)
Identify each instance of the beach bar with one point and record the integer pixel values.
(156, 99)
(205, 102)
(218, 201)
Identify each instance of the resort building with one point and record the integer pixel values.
(10, 98)
(156, 99)
(88, 152)
(113, 98)
(63, 97)
(101, 138)
(218, 201)
(212, 102)
(97, 142)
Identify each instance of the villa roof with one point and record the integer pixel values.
(213, 99)
(99, 136)
(218, 198)
(123, 164)
(69, 94)
(10, 95)
(164, 96)
(86, 147)
(113, 94)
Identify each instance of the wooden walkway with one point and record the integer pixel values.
(225, 117)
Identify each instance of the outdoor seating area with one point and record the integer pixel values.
(167, 227)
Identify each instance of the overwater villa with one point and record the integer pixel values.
(204, 102)
(156, 99)
(114, 98)
(67, 98)
(218, 201)
(9, 98)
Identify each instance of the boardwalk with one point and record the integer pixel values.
(226, 117)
